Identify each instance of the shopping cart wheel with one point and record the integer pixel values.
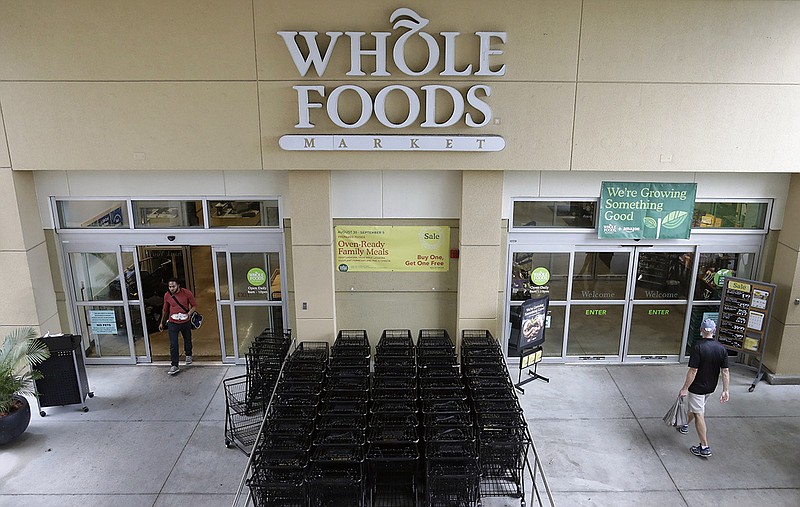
(227, 443)
(42, 413)
(85, 409)
(91, 394)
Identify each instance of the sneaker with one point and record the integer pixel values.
(683, 429)
(699, 450)
(173, 370)
(188, 359)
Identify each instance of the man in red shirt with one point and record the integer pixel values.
(179, 305)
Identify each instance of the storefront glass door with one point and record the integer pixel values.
(626, 303)
(116, 292)
(558, 264)
(105, 314)
(249, 298)
(599, 290)
(657, 309)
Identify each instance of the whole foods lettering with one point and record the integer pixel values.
(469, 106)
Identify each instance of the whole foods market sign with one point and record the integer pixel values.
(393, 56)
(646, 210)
(392, 248)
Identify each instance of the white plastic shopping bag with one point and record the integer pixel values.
(678, 413)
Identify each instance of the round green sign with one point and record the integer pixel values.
(540, 276)
(719, 276)
(257, 277)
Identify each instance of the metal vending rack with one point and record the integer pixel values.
(64, 379)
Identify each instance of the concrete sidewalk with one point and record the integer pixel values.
(154, 440)
(600, 434)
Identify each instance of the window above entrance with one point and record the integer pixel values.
(202, 213)
(566, 214)
(167, 214)
(243, 213)
(730, 215)
(80, 214)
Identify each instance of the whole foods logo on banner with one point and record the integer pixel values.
(646, 210)
(392, 248)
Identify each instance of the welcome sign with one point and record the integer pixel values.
(392, 248)
(646, 210)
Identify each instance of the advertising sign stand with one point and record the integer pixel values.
(533, 320)
(744, 315)
(528, 357)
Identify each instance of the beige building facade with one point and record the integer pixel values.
(174, 118)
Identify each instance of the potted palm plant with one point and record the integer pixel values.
(21, 351)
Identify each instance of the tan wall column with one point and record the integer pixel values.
(309, 193)
(782, 354)
(27, 297)
(481, 257)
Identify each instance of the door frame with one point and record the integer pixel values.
(572, 302)
(238, 240)
(238, 356)
(75, 305)
(575, 241)
(632, 301)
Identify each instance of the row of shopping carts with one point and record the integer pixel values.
(336, 473)
(284, 449)
(503, 439)
(393, 455)
(247, 396)
(451, 460)
(419, 430)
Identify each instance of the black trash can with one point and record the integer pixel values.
(64, 379)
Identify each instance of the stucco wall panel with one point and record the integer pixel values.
(786, 276)
(542, 43)
(535, 119)
(482, 200)
(478, 267)
(679, 127)
(5, 159)
(141, 126)
(134, 40)
(309, 193)
(433, 194)
(377, 311)
(313, 286)
(256, 183)
(690, 41)
(16, 278)
(790, 236)
(42, 281)
(357, 194)
(144, 183)
(12, 234)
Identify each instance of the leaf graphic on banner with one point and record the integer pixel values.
(674, 219)
(650, 222)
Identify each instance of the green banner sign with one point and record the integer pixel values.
(392, 248)
(646, 210)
